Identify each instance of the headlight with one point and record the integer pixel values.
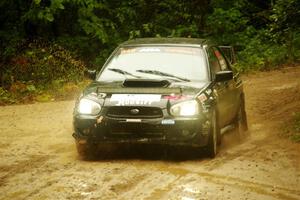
(88, 107)
(187, 108)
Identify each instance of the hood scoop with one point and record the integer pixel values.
(152, 83)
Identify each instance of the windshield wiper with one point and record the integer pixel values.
(125, 73)
(159, 73)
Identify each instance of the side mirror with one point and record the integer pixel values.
(90, 74)
(222, 76)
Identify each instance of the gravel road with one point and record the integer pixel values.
(38, 159)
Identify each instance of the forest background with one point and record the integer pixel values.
(46, 45)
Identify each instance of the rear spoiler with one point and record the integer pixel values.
(229, 53)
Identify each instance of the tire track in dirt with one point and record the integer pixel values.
(262, 188)
(21, 167)
(144, 188)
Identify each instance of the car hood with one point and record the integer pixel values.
(117, 87)
(115, 94)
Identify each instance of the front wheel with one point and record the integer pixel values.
(86, 151)
(212, 146)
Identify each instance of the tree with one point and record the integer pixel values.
(285, 25)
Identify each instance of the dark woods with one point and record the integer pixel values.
(54, 40)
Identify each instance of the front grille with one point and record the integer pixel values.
(132, 130)
(127, 112)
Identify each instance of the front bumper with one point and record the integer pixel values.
(176, 131)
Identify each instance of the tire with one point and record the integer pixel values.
(86, 151)
(241, 123)
(212, 146)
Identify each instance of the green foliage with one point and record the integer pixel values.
(295, 136)
(42, 62)
(258, 55)
(227, 24)
(6, 97)
(39, 12)
(291, 129)
(266, 33)
(297, 122)
(284, 26)
(26, 92)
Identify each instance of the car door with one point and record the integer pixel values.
(229, 54)
(220, 89)
(230, 87)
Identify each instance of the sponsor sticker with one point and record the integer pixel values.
(202, 98)
(128, 51)
(149, 50)
(215, 92)
(135, 99)
(102, 95)
(208, 91)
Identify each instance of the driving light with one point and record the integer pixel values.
(188, 108)
(88, 107)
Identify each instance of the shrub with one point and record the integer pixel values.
(41, 63)
(37, 71)
(259, 55)
(296, 126)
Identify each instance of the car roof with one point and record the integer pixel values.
(166, 41)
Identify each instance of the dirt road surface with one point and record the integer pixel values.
(38, 159)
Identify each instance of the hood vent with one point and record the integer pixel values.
(146, 83)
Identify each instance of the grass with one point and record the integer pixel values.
(295, 136)
(24, 93)
(292, 129)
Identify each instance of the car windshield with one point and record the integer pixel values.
(156, 62)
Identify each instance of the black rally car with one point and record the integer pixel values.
(173, 91)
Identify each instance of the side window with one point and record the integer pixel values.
(221, 59)
(213, 61)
